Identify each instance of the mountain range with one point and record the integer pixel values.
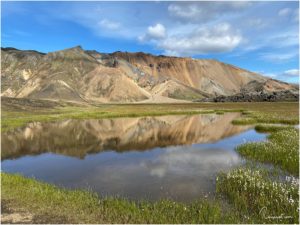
(80, 75)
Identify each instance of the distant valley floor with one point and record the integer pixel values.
(16, 112)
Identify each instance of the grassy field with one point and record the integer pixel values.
(244, 195)
(13, 117)
(56, 205)
(270, 128)
(258, 117)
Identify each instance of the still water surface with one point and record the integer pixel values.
(175, 157)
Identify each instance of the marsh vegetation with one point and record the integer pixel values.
(281, 149)
(266, 191)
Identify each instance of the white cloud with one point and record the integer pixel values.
(291, 14)
(291, 73)
(108, 24)
(190, 24)
(277, 57)
(284, 12)
(296, 16)
(257, 23)
(285, 42)
(188, 11)
(155, 32)
(271, 75)
(204, 11)
(288, 75)
(216, 39)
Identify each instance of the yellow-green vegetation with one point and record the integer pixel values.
(281, 149)
(14, 121)
(77, 206)
(11, 121)
(186, 94)
(259, 194)
(260, 198)
(270, 128)
(273, 117)
(255, 196)
(12, 118)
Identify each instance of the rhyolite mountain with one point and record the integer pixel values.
(75, 74)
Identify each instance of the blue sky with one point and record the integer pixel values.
(258, 36)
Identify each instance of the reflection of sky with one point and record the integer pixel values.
(231, 142)
(191, 161)
(182, 172)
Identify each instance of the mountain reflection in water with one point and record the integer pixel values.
(175, 157)
(80, 137)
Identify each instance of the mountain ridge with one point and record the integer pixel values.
(75, 74)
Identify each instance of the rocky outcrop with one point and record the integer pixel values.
(278, 96)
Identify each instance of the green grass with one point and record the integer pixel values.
(260, 198)
(77, 206)
(247, 121)
(10, 122)
(275, 117)
(13, 118)
(281, 149)
(270, 128)
(185, 94)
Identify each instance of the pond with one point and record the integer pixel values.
(174, 157)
